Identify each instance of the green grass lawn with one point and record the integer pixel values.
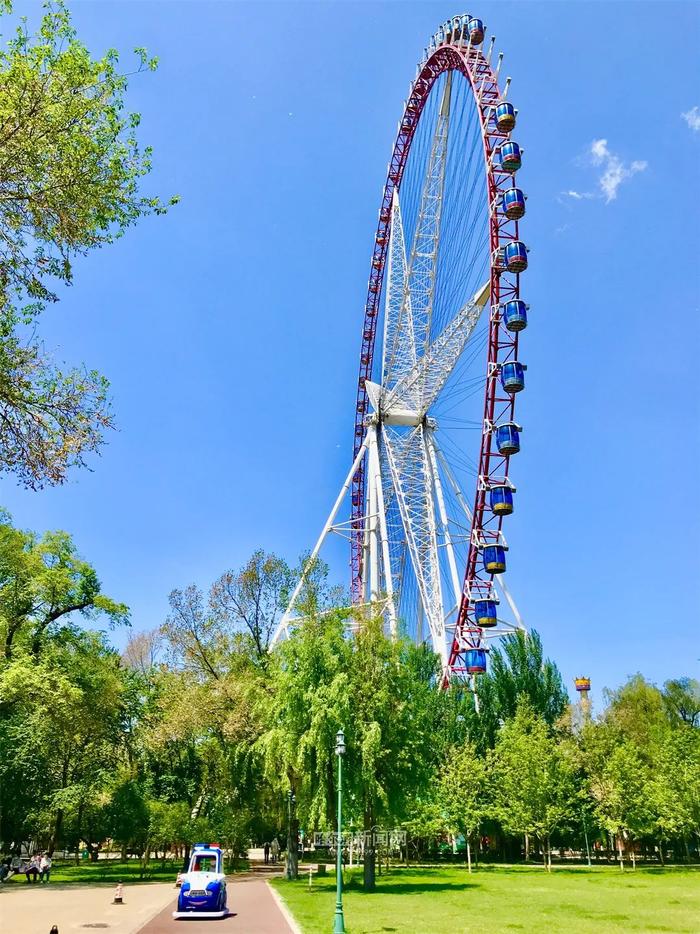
(113, 871)
(108, 870)
(601, 900)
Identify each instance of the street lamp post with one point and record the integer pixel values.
(291, 836)
(339, 926)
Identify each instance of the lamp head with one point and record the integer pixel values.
(340, 743)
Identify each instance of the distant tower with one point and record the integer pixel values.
(583, 686)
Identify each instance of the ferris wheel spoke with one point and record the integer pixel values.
(399, 347)
(422, 268)
(426, 379)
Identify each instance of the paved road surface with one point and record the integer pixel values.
(252, 907)
(32, 909)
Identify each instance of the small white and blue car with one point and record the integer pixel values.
(203, 889)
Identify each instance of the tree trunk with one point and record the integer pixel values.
(527, 847)
(57, 829)
(293, 849)
(368, 879)
(619, 852)
(469, 854)
(549, 854)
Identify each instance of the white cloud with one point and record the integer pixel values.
(579, 195)
(692, 118)
(614, 169)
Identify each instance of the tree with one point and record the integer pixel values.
(621, 790)
(637, 710)
(252, 599)
(682, 700)
(62, 723)
(43, 582)
(518, 669)
(675, 786)
(379, 691)
(142, 651)
(533, 779)
(70, 171)
(464, 792)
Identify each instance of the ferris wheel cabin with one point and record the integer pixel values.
(515, 256)
(508, 438)
(494, 559)
(475, 31)
(513, 376)
(475, 661)
(515, 315)
(511, 156)
(505, 116)
(485, 613)
(513, 204)
(501, 498)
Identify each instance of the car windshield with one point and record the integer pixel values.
(204, 864)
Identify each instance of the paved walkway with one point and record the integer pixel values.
(252, 910)
(33, 909)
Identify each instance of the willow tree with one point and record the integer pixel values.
(380, 692)
(70, 173)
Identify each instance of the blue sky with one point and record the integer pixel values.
(230, 329)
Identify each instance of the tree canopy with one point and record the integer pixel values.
(71, 167)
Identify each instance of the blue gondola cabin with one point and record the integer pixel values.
(485, 613)
(511, 156)
(513, 376)
(515, 315)
(501, 498)
(475, 661)
(505, 116)
(476, 31)
(494, 559)
(515, 256)
(513, 204)
(508, 438)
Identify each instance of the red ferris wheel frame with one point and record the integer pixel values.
(453, 54)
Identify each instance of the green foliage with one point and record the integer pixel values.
(464, 792)
(681, 698)
(43, 582)
(377, 690)
(675, 785)
(197, 731)
(71, 161)
(70, 173)
(518, 669)
(534, 788)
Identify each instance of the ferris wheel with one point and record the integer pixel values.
(426, 501)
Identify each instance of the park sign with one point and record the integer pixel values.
(386, 839)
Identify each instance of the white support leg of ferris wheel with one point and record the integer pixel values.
(376, 480)
(442, 512)
(373, 536)
(283, 626)
(499, 582)
(411, 479)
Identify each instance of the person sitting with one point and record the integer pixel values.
(45, 868)
(32, 869)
